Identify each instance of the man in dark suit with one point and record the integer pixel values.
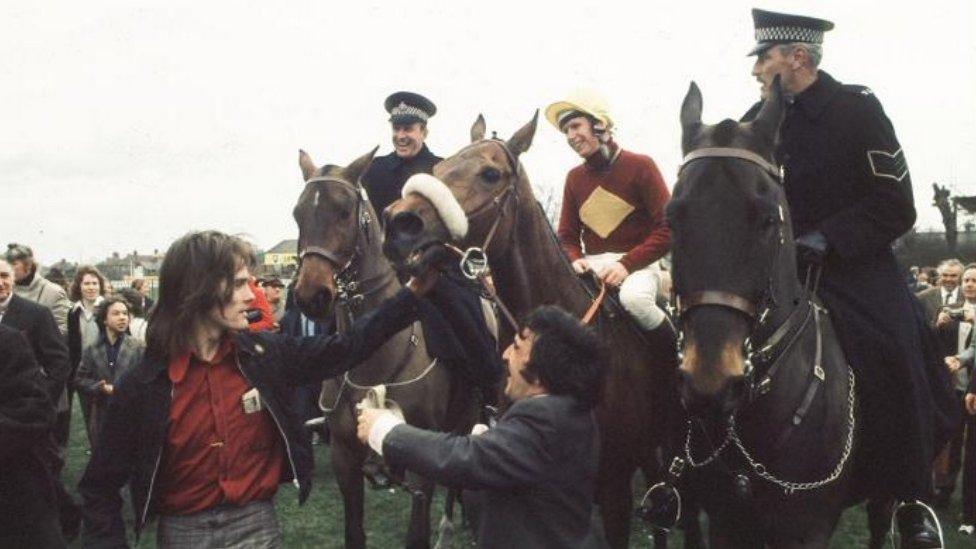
(37, 323)
(941, 300)
(385, 177)
(537, 466)
(50, 352)
(28, 503)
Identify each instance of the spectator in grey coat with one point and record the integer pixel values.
(31, 285)
(103, 363)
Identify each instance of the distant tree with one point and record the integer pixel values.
(949, 211)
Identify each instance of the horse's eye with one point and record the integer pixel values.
(491, 175)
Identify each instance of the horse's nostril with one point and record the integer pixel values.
(406, 224)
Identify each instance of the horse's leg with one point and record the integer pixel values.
(422, 491)
(347, 463)
(879, 520)
(615, 498)
(446, 527)
(690, 525)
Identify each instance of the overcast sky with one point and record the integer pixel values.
(125, 124)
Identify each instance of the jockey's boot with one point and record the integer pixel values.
(918, 526)
(663, 342)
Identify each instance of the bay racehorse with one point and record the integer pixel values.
(342, 273)
(487, 184)
(773, 427)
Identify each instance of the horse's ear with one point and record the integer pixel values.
(478, 129)
(305, 162)
(522, 140)
(770, 116)
(691, 107)
(357, 168)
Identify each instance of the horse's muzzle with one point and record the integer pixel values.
(318, 306)
(409, 247)
(713, 407)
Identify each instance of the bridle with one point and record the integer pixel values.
(474, 260)
(767, 359)
(756, 310)
(351, 290)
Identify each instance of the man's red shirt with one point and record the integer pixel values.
(215, 452)
(643, 236)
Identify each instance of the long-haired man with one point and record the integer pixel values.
(202, 429)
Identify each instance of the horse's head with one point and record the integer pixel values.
(470, 195)
(331, 214)
(731, 238)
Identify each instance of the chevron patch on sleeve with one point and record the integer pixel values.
(886, 164)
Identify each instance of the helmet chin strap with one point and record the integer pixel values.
(603, 135)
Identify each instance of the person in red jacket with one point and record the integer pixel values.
(260, 317)
(612, 219)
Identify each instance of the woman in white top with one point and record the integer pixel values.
(86, 291)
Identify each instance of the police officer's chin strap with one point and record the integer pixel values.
(605, 136)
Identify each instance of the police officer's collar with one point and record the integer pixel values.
(397, 160)
(814, 99)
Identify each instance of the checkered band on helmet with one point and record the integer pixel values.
(789, 34)
(408, 110)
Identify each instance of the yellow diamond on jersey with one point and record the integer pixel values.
(604, 211)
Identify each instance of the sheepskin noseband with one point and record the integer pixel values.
(440, 196)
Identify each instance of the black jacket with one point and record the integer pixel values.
(537, 469)
(456, 331)
(26, 417)
(845, 175)
(136, 426)
(386, 175)
(38, 324)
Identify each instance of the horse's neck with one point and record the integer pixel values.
(373, 266)
(535, 271)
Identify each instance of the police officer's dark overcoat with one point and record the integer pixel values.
(845, 175)
(386, 175)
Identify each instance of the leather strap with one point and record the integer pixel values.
(714, 297)
(731, 152)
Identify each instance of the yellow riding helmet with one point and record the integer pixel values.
(584, 101)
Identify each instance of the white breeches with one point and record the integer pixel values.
(638, 293)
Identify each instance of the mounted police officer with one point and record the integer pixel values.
(849, 189)
(385, 177)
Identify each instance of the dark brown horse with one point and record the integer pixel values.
(772, 398)
(342, 272)
(529, 268)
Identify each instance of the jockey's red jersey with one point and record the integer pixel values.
(616, 206)
(216, 451)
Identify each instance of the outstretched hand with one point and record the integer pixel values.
(971, 403)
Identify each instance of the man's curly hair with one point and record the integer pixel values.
(567, 357)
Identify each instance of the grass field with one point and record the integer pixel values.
(319, 522)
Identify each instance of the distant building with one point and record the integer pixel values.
(119, 268)
(282, 254)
